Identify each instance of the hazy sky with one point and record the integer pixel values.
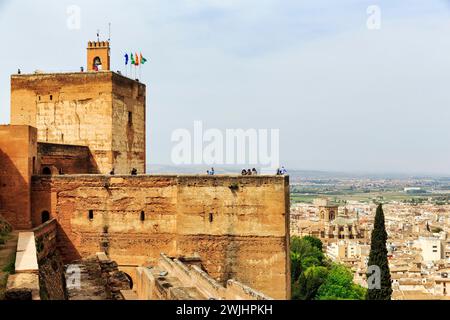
(344, 97)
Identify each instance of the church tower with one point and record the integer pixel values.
(98, 56)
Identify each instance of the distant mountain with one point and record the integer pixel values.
(293, 173)
(191, 169)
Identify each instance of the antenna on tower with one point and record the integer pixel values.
(109, 34)
(98, 35)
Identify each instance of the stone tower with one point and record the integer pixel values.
(102, 110)
(327, 211)
(98, 56)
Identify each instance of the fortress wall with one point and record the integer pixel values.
(18, 160)
(239, 232)
(51, 267)
(45, 237)
(68, 158)
(129, 109)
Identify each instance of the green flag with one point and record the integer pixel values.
(143, 60)
(132, 60)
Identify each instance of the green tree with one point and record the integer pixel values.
(378, 257)
(303, 256)
(315, 242)
(310, 282)
(339, 286)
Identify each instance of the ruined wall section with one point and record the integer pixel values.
(129, 109)
(237, 225)
(52, 280)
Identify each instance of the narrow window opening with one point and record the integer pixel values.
(211, 217)
(45, 216)
(46, 171)
(51, 97)
(130, 118)
(91, 215)
(142, 216)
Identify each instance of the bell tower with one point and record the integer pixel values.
(98, 56)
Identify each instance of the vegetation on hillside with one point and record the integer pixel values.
(314, 277)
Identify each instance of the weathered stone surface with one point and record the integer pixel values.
(99, 280)
(247, 238)
(52, 279)
(22, 286)
(91, 286)
(101, 110)
(117, 280)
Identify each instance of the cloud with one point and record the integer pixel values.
(344, 97)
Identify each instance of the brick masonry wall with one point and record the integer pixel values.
(240, 233)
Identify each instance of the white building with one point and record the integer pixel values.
(432, 249)
(347, 250)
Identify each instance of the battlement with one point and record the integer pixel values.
(98, 56)
(29, 79)
(98, 44)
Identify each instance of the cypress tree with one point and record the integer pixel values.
(378, 257)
